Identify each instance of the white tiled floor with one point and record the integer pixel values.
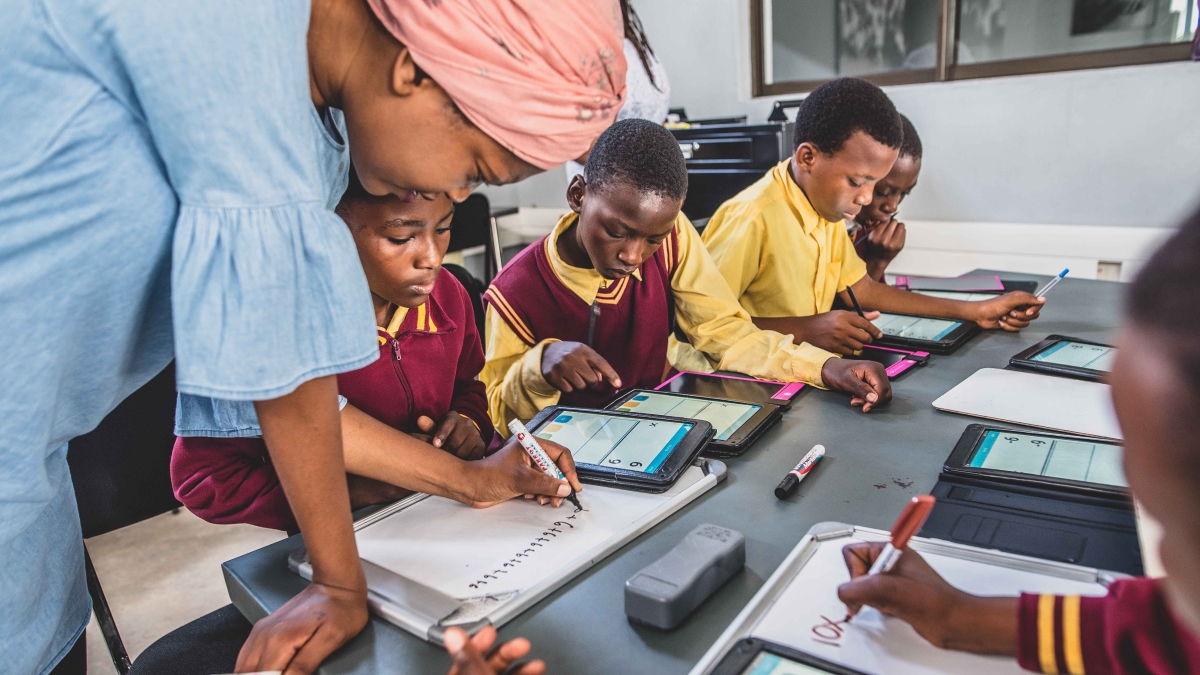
(161, 573)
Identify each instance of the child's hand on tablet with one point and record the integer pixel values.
(866, 381)
(468, 654)
(836, 331)
(573, 366)
(510, 473)
(456, 434)
(916, 594)
(1011, 311)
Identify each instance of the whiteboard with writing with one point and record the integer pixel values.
(803, 611)
(495, 553)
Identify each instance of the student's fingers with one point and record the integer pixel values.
(535, 667)
(860, 556)
(864, 325)
(445, 428)
(565, 461)
(533, 481)
(467, 658)
(1015, 299)
(1008, 323)
(603, 368)
(574, 378)
(878, 390)
(484, 639)
(425, 423)
(871, 315)
(884, 592)
(517, 648)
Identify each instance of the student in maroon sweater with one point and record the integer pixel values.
(1143, 626)
(416, 418)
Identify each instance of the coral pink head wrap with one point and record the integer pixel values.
(543, 77)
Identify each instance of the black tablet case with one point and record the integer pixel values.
(1042, 523)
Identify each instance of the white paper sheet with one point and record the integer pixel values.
(809, 617)
(470, 553)
(1043, 401)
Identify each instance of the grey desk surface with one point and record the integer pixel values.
(874, 463)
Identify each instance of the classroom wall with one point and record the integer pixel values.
(1096, 149)
(1114, 146)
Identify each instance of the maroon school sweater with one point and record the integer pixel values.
(631, 324)
(1130, 631)
(428, 368)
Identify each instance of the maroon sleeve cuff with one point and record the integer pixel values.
(1092, 621)
(1027, 632)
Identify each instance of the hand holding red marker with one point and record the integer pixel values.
(908, 524)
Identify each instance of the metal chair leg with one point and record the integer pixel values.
(108, 625)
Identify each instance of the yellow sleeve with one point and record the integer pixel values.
(717, 326)
(736, 247)
(853, 267)
(512, 373)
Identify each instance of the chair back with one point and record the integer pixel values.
(122, 468)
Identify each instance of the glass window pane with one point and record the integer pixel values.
(822, 39)
(1000, 30)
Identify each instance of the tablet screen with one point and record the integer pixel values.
(726, 417)
(915, 327)
(767, 663)
(1078, 354)
(1052, 457)
(958, 295)
(616, 442)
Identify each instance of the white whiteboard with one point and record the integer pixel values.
(472, 554)
(1043, 401)
(805, 613)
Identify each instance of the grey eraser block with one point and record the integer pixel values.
(665, 592)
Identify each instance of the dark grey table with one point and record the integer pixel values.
(874, 463)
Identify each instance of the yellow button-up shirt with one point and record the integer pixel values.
(705, 311)
(780, 257)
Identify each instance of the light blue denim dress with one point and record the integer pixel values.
(165, 191)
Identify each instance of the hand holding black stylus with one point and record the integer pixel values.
(854, 301)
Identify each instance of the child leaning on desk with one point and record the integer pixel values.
(782, 245)
(589, 308)
(1143, 626)
(415, 419)
(876, 234)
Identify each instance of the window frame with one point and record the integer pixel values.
(947, 70)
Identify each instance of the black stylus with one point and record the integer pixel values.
(857, 307)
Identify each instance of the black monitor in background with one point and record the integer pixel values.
(724, 156)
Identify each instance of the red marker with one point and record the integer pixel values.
(910, 520)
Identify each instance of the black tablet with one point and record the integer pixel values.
(752, 656)
(730, 387)
(1038, 459)
(1067, 356)
(735, 424)
(647, 453)
(940, 336)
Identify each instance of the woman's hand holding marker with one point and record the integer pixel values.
(510, 472)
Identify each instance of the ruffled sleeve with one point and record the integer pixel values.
(265, 299)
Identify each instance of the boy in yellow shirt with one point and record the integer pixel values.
(588, 309)
(782, 243)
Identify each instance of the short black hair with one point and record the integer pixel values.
(911, 145)
(641, 153)
(1164, 297)
(838, 108)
